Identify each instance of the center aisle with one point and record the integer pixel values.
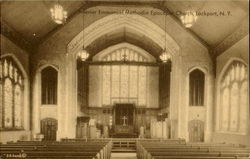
(123, 156)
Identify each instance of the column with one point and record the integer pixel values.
(36, 105)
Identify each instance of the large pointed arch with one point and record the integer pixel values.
(114, 22)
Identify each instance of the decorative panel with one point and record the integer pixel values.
(82, 87)
(94, 86)
(8, 103)
(17, 106)
(164, 82)
(196, 131)
(153, 87)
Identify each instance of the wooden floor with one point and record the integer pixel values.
(123, 156)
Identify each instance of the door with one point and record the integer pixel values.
(49, 129)
(196, 131)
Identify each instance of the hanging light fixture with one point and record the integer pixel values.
(58, 14)
(189, 18)
(83, 54)
(165, 56)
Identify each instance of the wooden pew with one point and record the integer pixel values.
(34, 149)
(158, 150)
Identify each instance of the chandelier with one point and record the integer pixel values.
(189, 18)
(58, 14)
(83, 54)
(165, 56)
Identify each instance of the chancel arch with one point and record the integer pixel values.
(115, 22)
(232, 102)
(14, 89)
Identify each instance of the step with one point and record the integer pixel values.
(127, 150)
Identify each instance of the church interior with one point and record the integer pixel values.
(162, 79)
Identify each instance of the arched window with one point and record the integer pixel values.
(196, 88)
(49, 85)
(124, 76)
(11, 98)
(233, 88)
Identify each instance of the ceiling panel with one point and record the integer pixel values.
(33, 17)
(214, 29)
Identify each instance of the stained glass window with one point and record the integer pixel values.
(11, 88)
(17, 106)
(120, 82)
(8, 103)
(233, 98)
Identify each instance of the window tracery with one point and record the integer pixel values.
(11, 87)
(233, 98)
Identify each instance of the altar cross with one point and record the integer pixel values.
(124, 118)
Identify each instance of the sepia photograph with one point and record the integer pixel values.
(124, 79)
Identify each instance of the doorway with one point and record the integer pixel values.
(49, 129)
(196, 131)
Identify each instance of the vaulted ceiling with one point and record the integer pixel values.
(31, 19)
